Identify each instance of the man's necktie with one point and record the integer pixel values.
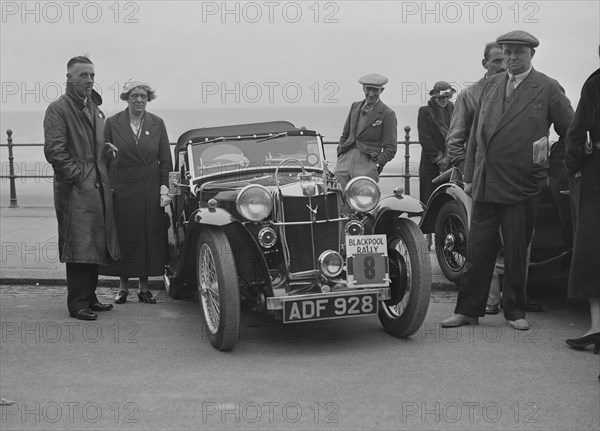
(510, 88)
(366, 110)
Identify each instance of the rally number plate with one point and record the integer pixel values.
(367, 261)
(329, 307)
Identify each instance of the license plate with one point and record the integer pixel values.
(329, 307)
(367, 261)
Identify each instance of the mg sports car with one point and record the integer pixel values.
(258, 217)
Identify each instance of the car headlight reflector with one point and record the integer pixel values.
(331, 263)
(362, 194)
(254, 202)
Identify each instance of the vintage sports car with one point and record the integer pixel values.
(449, 212)
(257, 216)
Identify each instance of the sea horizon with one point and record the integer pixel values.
(27, 128)
(27, 125)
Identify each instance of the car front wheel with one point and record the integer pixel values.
(410, 275)
(451, 234)
(218, 288)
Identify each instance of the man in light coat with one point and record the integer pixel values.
(74, 145)
(467, 103)
(507, 166)
(370, 134)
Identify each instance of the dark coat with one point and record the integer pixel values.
(379, 136)
(433, 144)
(584, 277)
(136, 177)
(501, 161)
(74, 145)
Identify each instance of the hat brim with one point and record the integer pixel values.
(517, 42)
(443, 93)
(373, 85)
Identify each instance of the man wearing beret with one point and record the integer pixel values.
(369, 138)
(506, 167)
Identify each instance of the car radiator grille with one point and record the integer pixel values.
(306, 242)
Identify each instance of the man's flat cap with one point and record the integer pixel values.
(519, 36)
(373, 80)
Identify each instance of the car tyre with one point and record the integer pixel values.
(451, 236)
(218, 289)
(410, 275)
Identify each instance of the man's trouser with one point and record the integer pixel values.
(354, 163)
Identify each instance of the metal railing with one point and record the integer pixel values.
(12, 176)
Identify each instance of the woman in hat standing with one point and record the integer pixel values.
(139, 178)
(433, 123)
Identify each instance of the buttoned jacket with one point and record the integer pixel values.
(507, 159)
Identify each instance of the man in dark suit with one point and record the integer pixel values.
(506, 167)
(370, 134)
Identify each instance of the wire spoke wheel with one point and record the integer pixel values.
(218, 288)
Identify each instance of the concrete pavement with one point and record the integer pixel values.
(151, 367)
(29, 251)
(144, 366)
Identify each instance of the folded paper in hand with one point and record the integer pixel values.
(540, 150)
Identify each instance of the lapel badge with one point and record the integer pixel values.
(377, 123)
(147, 133)
(99, 115)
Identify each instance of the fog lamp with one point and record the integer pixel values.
(267, 237)
(331, 263)
(354, 227)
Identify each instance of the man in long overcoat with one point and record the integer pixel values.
(74, 145)
(506, 167)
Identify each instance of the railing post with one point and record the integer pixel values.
(407, 160)
(11, 171)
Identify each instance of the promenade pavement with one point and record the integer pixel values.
(29, 251)
(151, 367)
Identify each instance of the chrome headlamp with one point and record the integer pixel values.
(254, 202)
(331, 263)
(362, 194)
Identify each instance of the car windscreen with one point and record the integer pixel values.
(233, 155)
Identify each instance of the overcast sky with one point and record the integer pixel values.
(281, 53)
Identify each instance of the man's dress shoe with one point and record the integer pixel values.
(459, 320)
(519, 324)
(534, 307)
(492, 309)
(98, 306)
(121, 297)
(84, 314)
